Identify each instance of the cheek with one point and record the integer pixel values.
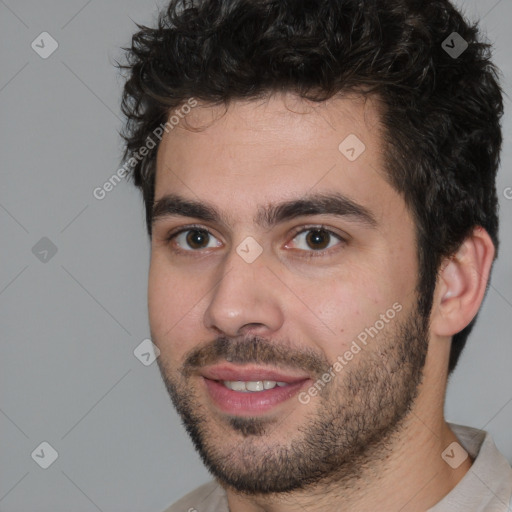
(160, 299)
(335, 310)
(167, 300)
(174, 307)
(344, 307)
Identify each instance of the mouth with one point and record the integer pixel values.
(250, 390)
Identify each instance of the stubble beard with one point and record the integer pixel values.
(357, 417)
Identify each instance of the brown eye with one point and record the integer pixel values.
(318, 239)
(193, 240)
(197, 238)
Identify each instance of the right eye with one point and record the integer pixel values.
(194, 238)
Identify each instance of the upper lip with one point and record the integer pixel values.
(249, 373)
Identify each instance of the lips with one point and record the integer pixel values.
(249, 373)
(244, 403)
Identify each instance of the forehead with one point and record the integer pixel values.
(254, 152)
(280, 121)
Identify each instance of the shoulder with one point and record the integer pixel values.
(487, 486)
(206, 498)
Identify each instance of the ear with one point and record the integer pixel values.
(461, 284)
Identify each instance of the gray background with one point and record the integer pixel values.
(68, 375)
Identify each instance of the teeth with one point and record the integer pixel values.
(252, 386)
(238, 386)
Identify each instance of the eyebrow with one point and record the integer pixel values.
(173, 205)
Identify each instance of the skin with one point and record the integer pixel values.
(281, 148)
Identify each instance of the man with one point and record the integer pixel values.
(319, 182)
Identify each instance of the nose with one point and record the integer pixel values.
(246, 298)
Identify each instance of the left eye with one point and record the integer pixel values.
(318, 239)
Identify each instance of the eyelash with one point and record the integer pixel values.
(308, 254)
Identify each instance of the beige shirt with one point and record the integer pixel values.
(486, 487)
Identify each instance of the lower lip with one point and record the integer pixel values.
(250, 403)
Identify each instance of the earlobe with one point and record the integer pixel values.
(462, 282)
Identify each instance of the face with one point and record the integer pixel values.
(282, 290)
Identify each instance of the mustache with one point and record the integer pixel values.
(255, 350)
